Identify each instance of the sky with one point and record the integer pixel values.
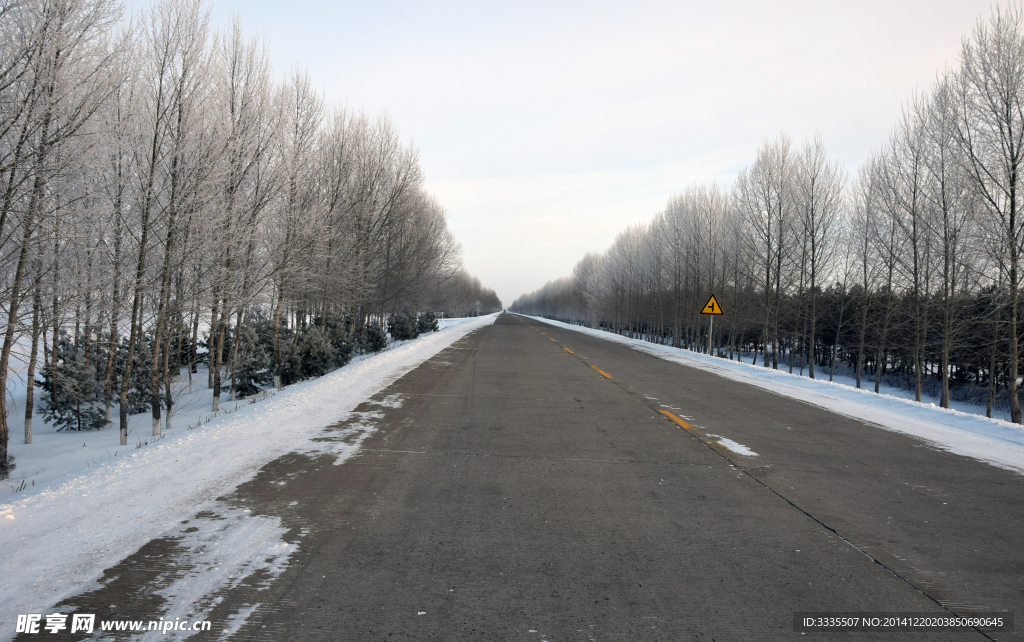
(545, 128)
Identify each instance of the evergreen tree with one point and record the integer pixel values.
(341, 346)
(373, 339)
(252, 369)
(403, 327)
(139, 396)
(72, 398)
(427, 322)
(315, 353)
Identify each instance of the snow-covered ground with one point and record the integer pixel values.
(961, 429)
(77, 503)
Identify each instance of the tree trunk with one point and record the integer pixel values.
(15, 300)
(992, 369)
(30, 376)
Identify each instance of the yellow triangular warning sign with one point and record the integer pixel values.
(712, 307)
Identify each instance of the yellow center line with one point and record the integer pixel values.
(550, 339)
(714, 445)
(676, 419)
(544, 334)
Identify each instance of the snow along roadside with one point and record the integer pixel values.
(993, 441)
(57, 543)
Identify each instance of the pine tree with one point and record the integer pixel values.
(373, 339)
(427, 322)
(253, 358)
(138, 394)
(403, 327)
(72, 398)
(253, 365)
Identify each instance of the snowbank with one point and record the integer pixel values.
(994, 441)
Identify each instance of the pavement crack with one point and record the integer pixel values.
(871, 557)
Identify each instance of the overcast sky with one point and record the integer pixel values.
(545, 128)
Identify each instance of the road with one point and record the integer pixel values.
(534, 483)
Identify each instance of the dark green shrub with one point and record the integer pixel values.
(341, 345)
(291, 364)
(315, 353)
(373, 339)
(253, 361)
(404, 327)
(427, 322)
(72, 396)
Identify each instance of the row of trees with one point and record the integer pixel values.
(165, 199)
(910, 269)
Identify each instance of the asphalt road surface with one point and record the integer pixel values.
(534, 483)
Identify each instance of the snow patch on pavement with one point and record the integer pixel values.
(351, 439)
(739, 449)
(993, 441)
(220, 552)
(236, 620)
(391, 401)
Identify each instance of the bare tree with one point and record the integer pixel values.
(62, 84)
(989, 130)
(950, 210)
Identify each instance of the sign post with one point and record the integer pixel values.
(713, 309)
